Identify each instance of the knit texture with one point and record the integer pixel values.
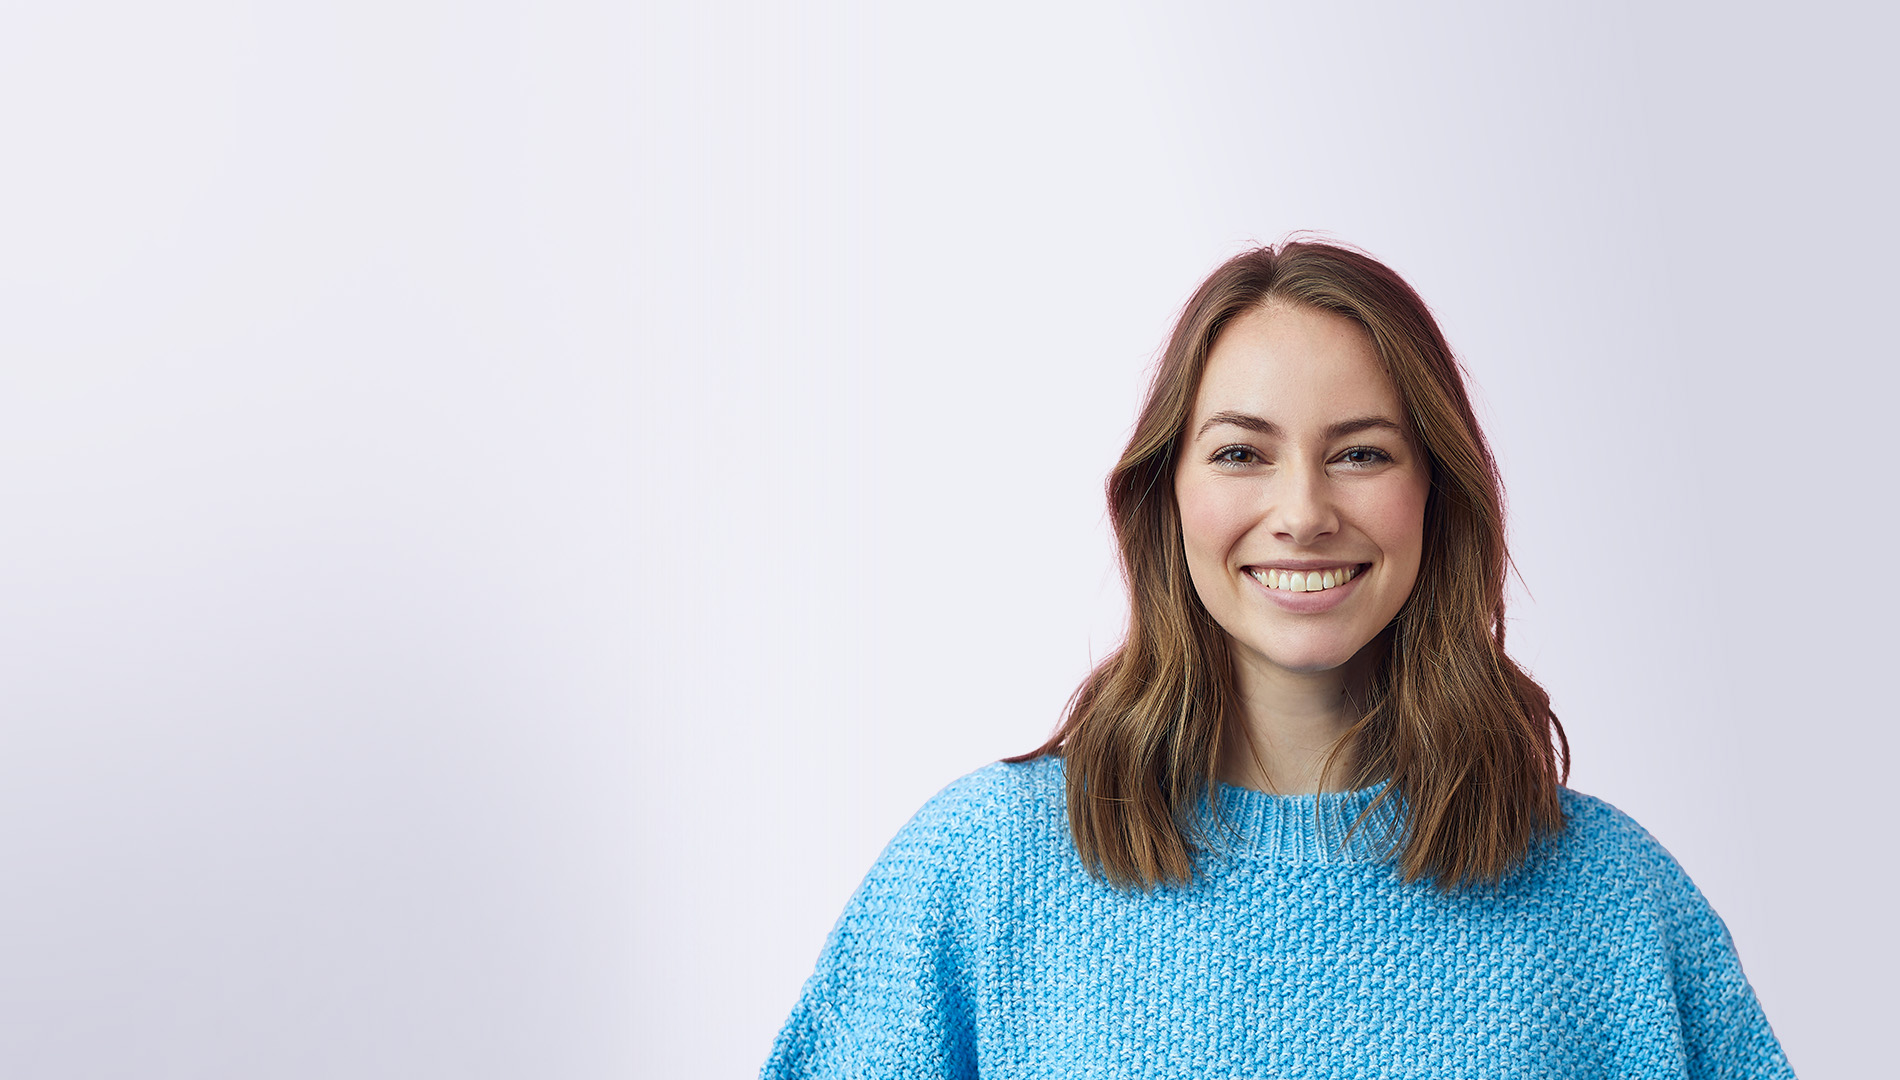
(979, 946)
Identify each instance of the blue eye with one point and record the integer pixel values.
(1365, 455)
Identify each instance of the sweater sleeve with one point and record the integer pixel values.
(890, 996)
(1725, 1035)
(1687, 1008)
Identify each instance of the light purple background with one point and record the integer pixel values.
(509, 506)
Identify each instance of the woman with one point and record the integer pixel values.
(1309, 819)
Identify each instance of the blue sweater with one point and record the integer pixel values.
(979, 946)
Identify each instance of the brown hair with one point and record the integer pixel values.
(1463, 734)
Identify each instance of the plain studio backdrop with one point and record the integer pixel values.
(509, 506)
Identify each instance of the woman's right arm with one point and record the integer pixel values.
(890, 996)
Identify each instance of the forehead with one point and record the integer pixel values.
(1295, 365)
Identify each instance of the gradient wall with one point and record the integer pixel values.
(509, 506)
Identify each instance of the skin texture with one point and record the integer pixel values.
(1303, 491)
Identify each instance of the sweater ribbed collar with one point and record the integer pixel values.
(1302, 828)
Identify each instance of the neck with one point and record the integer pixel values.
(1289, 723)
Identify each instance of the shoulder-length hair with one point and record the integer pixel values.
(1467, 740)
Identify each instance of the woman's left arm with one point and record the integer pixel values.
(1724, 1032)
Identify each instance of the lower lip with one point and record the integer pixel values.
(1309, 603)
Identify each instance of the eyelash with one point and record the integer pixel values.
(1220, 456)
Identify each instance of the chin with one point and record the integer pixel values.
(1313, 657)
(1306, 662)
(1309, 667)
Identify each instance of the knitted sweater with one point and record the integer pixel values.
(979, 946)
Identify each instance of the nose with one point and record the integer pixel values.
(1303, 513)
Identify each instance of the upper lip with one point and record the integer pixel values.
(1303, 564)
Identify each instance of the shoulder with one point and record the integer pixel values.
(1003, 787)
(1609, 864)
(1595, 826)
(1601, 837)
(892, 991)
(1645, 915)
(969, 839)
(998, 803)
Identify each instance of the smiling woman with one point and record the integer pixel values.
(1302, 538)
(1309, 818)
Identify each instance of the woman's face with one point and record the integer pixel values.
(1301, 490)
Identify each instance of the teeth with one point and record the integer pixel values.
(1309, 581)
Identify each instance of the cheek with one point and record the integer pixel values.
(1396, 521)
(1209, 524)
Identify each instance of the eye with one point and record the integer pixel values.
(1364, 456)
(1232, 456)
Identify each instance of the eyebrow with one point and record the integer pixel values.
(1267, 427)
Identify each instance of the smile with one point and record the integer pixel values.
(1305, 580)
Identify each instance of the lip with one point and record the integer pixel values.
(1305, 603)
(1301, 564)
